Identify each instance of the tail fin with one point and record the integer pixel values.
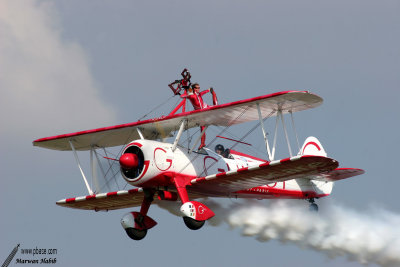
(312, 147)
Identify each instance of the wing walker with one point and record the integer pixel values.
(173, 171)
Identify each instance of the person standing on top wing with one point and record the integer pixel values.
(195, 97)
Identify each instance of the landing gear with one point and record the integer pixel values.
(313, 207)
(136, 234)
(136, 224)
(194, 213)
(193, 224)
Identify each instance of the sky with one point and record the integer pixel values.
(74, 65)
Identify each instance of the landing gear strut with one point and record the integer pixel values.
(136, 224)
(313, 207)
(194, 213)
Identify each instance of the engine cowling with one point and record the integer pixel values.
(147, 163)
(132, 162)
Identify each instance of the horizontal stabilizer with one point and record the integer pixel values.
(340, 174)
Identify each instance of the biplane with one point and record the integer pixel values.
(170, 171)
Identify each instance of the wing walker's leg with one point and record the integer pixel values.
(214, 97)
(203, 137)
(203, 130)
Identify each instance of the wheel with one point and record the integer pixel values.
(136, 234)
(193, 224)
(313, 207)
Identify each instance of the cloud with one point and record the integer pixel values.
(46, 86)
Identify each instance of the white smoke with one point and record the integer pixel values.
(373, 237)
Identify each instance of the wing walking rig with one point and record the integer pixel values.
(161, 171)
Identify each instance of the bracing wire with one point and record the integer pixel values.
(189, 137)
(111, 165)
(232, 122)
(158, 106)
(241, 139)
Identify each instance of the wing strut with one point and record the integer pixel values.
(263, 131)
(80, 168)
(140, 133)
(286, 134)
(95, 181)
(275, 137)
(294, 129)
(178, 136)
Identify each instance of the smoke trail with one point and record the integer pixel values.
(373, 237)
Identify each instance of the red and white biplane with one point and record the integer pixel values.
(162, 171)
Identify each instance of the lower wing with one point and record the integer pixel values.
(309, 167)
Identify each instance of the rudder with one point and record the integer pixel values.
(312, 146)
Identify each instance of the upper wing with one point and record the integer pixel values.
(269, 172)
(221, 115)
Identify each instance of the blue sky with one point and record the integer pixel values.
(75, 65)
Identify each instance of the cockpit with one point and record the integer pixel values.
(220, 150)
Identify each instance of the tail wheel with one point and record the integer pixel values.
(313, 207)
(136, 234)
(193, 224)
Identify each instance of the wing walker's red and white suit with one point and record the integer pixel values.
(198, 103)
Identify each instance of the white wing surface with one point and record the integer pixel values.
(220, 115)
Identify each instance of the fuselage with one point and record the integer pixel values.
(159, 164)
